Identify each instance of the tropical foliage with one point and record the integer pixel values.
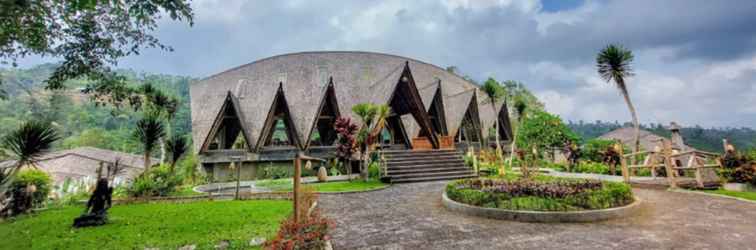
(542, 131)
(373, 118)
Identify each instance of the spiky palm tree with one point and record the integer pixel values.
(177, 146)
(613, 64)
(495, 92)
(149, 131)
(26, 144)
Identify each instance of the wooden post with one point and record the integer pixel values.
(297, 175)
(238, 175)
(669, 164)
(623, 162)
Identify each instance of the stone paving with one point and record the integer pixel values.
(410, 216)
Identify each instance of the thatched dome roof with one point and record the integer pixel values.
(357, 76)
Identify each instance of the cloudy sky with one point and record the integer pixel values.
(695, 59)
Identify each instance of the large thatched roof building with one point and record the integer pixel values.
(273, 107)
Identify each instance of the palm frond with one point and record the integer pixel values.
(613, 63)
(30, 141)
(177, 146)
(149, 130)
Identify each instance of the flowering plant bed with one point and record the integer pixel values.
(541, 193)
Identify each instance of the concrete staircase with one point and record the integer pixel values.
(416, 166)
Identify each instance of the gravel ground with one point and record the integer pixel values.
(410, 216)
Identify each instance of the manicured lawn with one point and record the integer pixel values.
(335, 186)
(744, 195)
(162, 225)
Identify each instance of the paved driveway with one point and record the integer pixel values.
(410, 216)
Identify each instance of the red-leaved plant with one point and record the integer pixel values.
(311, 232)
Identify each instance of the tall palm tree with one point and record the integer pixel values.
(495, 92)
(149, 131)
(26, 144)
(519, 108)
(177, 146)
(613, 64)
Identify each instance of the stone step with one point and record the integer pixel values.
(424, 165)
(432, 178)
(421, 153)
(429, 174)
(425, 170)
(409, 162)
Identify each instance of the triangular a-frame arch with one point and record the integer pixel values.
(437, 114)
(278, 129)
(469, 129)
(505, 126)
(228, 128)
(405, 99)
(322, 132)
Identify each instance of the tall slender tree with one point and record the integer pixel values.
(613, 64)
(495, 92)
(148, 131)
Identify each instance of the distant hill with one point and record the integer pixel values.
(77, 119)
(709, 139)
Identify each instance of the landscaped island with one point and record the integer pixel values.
(541, 193)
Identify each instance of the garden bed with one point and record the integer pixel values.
(541, 199)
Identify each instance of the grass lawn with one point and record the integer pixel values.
(137, 226)
(744, 195)
(325, 187)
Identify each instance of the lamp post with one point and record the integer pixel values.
(238, 174)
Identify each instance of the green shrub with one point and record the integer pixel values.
(592, 167)
(39, 179)
(158, 181)
(535, 204)
(374, 170)
(274, 172)
(594, 149)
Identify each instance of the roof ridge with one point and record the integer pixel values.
(334, 52)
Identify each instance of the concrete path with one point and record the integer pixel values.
(410, 216)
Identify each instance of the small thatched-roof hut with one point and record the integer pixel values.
(273, 107)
